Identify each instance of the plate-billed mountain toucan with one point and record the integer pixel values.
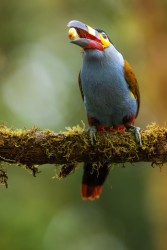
(110, 93)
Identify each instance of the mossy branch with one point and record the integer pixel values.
(35, 147)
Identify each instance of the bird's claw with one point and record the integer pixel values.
(137, 134)
(92, 133)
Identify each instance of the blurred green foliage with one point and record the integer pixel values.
(38, 81)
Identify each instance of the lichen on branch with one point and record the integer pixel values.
(33, 147)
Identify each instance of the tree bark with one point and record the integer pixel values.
(36, 147)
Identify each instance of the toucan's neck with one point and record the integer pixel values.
(107, 56)
(93, 54)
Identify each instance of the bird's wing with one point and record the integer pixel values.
(80, 85)
(132, 83)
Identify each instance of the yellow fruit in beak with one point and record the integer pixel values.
(72, 34)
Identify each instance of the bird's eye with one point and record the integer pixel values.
(104, 35)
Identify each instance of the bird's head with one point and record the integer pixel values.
(87, 37)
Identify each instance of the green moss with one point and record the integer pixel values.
(113, 146)
(65, 170)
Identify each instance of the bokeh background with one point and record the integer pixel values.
(38, 86)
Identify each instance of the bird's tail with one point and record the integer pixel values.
(93, 180)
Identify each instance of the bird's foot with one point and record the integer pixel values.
(92, 133)
(137, 134)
